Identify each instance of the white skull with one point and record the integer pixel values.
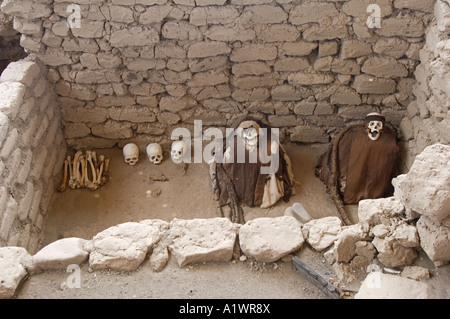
(131, 154)
(374, 129)
(251, 136)
(154, 153)
(177, 151)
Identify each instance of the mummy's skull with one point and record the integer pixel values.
(375, 123)
(131, 154)
(177, 151)
(154, 153)
(374, 129)
(251, 136)
(249, 130)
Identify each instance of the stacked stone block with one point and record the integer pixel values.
(428, 116)
(132, 70)
(32, 150)
(10, 50)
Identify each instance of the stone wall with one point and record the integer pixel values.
(132, 70)
(428, 116)
(10, 49)
(32, 150)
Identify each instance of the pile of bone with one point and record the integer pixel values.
(85, 170)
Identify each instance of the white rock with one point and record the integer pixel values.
(12, 269)
(434, 239)
(269, 239)
(61, 253)
(385, 286)
(379, 211)
(406, 235)
(125, 246)
(321, 233)
(202, 240)
(426, 187)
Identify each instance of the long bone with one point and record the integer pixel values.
(82, 164)
(105, 175)
(100, 167)
(62, 186)
(89, 166)
(74, 172)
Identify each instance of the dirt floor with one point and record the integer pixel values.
(131, 196)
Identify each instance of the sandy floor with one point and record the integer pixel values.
(131, 196)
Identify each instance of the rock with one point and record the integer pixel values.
(384, 67)
(321, 233)
(379, 211)
(426, 187)
(61, 253)
(124, 246)
(406, 235)
(415, 272)
(407, 26)
(385, 286)
(355, 48)
(269, 239)
(12, 269)
(345, 244)
(365, 249)
(434, 239)
(392, 254)
(300, 78)
(367, 84)
(300, 213)
(134, 36)
(311, 12)
(160, 253)
(202, 240)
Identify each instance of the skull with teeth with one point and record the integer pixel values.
(375, 123)
(131, 154)
(249, 130)
(177, 151)
(154, 153)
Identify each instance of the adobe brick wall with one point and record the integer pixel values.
(136, 69)
(32, 150)
(427, 119)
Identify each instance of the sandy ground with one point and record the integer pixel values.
(131, 196)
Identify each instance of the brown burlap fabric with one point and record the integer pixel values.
(248, 182)
(366, 166)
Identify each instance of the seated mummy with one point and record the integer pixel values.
(257, 165)
(361, 161)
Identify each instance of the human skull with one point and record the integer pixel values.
(375, 123)
(154, 153)
(131, 154)
(249, 130)
(177, 151)
(374, 129)
(251, 136)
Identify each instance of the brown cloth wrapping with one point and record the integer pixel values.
(249, 183)
(366, 166)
